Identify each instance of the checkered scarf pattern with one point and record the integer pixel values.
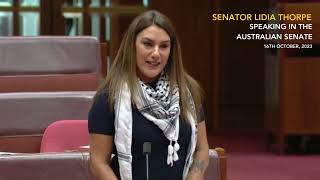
(161, 106)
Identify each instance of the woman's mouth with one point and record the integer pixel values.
(153, 63)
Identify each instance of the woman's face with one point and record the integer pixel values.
(152, 50)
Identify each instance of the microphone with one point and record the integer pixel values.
(147, 151)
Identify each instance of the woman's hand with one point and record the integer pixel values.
(201, 155)
(100, 155)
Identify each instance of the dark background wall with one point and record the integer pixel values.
(230, 71)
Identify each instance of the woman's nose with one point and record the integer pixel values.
(155, 52)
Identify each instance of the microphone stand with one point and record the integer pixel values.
(147, 152)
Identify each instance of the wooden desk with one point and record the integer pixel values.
(293, 84)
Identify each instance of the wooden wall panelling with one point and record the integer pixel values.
(192, 20)
(295, 101)
(241, 71)
(58, 21)
(46, 18)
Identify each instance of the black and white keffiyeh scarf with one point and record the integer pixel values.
(159, 105)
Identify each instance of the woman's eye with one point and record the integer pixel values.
(164, 46)
(147, 44)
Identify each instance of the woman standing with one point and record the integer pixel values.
(148, 97)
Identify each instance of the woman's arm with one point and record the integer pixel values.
(201, 155)
(100, 155)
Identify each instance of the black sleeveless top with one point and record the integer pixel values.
(101, 121)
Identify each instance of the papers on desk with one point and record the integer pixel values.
(84, 147)
(7, 153)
